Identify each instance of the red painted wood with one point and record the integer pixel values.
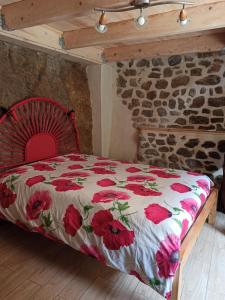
(34, 152)
(35, 129)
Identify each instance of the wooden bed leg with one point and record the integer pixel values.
(177, 284)
(212, 215)
(209, 210)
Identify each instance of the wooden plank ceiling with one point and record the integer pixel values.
(68, 27)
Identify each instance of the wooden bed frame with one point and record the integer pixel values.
(21, 133)
(207, 212)
(34, 122)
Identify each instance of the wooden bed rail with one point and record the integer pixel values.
(221, 205)
(208, 211)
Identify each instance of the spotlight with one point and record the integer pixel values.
(183, 19)
(101, 27)
(141, 20)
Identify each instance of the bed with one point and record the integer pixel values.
(142, 220)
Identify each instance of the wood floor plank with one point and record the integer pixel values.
(144, 292)
(65, 270)
(4, 273)
(59, 298)
(98, 290)
(122, 288)
(12, 281)
(87, 272)
(216, 279)
(46, 292)
(198, 266)
(9, 244)
(21, 251)
(49, 268)
(26, 290)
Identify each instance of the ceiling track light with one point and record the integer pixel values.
(141, 20)
(183, 19)
(140, 5)
(101, 26)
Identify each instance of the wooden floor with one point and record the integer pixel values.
(31, 267)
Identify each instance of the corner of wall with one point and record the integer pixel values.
(113, 133)
(94, 81)
(107, 92)
(123, 144)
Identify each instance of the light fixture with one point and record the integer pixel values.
(141, 20)
(101, 27)
(140, 5)
(183, 19)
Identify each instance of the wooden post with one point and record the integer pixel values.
(212, 215)
(221, 205)
(190, 239)
(177, 284)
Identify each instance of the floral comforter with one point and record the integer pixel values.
(131, 217)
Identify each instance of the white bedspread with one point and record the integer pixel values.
(131, 217)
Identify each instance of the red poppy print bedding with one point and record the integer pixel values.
(131, 217)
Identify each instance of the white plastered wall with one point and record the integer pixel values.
(113, 133)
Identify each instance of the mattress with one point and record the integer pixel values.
(131, 217)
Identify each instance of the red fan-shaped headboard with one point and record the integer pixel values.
(36, 129)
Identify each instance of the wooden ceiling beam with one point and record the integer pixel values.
(202, 43)
(164, 25)
(28, 13)
(46, 39)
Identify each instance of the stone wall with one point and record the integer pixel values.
(27, 73)
(189, 150)
(182, 91)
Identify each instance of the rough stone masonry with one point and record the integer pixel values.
(26, 73)
(181, 91)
